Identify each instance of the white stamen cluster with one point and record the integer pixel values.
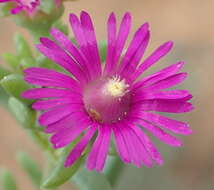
(115, 87)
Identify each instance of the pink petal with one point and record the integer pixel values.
(80, 146)
(120, 41)
(167, 83)
(133, 146)
(48, 77)
(90, 37)
(171, 106)
(84, 46)
(92, 157)
(171, 94)
(112, 30)
(167, 123)
(66, 121)
(58, 113)
(141, 150)
(65, 136)
(136, 58)
(67, 44)
(51, 103)
(149, 146)
(63, 60)
(136, 49)
(160, 134)
(37, 93)
(121, 146)
(153, 58)
(103, 149)
(160, 75)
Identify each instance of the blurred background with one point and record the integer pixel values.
(189, 23)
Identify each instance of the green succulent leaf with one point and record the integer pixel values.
(47, 6)
(22, 47)
(91, 180)
(14, 85)
(24, 115)
(27, 62)
(3, 72)
(30, 167)
(59, 175)
(12, 60)
(61, 26)
(7, 180)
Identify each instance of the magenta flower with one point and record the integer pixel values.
(29, 6)
(96, 101)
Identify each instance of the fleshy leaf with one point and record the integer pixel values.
(59, 175)
(61, 26)
(47, 6)
(7, 180)
(3, 72)
(22, 47)
(14, 85)
(30, 167)
(27, 62)
(12, 60)
(22, 112)
(91, 180)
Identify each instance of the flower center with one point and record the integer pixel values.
(107, 100)
(115, 87)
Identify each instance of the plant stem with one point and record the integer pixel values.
(114, 170)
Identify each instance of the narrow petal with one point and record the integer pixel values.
(37, 93)
(103, 149)
(170, 106)
(125, 27)
(135, 50)
(80, 146)
(51, 103)
(149, 146)
(68, 45)
(92, 157)
(167, 123)
(160, 134)
(63, 60)
(48, 77)
(69, 120)
(167, 83)
(141, 150)
(139, 36)
(121, 146)
(120, 41)
(172, 95)
(56, 114)
(112, 36)
(131, 147)
(160, 75)
(90, 37)
(131, 67)
(84, 46)
(66, 136)
(56, 48)
(153, 58)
